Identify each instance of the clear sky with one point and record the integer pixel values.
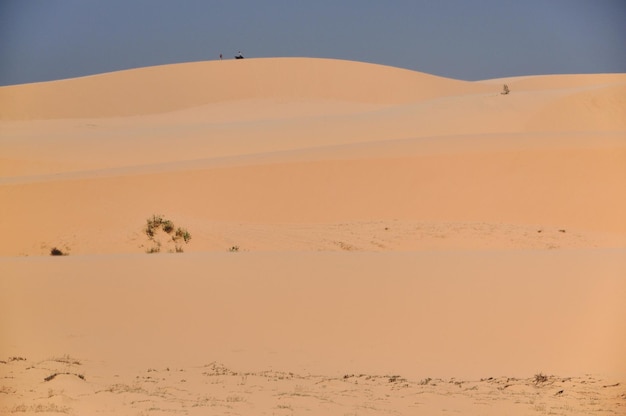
(465, 39)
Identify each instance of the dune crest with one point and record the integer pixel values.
(167, 88)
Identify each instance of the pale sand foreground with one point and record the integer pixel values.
(389, 223)
(212, 389)
(302, 321)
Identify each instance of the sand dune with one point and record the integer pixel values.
(175, 87)
(528, 187)
(382, 222)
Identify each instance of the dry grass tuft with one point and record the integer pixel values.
(540, 378)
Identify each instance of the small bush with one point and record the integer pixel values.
(168, 226)
(182, 233)
(234, 249)
(505, 90)
(153, 224)
(158, 222)
(57, 252)
(154, 249)
(540, 378)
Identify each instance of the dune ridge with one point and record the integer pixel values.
(174, 87)
(354, 227)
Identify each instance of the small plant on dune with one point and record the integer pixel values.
(182, 233)
(505, 90)
(154, 249)
(153, 224)
(425, 381)
(234, 249)
(396, 379)
(540, 378)
(57, 252)
(157, 223)
(168, 226)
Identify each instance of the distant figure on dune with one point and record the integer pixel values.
(221, 56)
(239, 55)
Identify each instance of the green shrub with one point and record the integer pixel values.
(154, 249)
(182, 233)
(167, 226)
(158, 222)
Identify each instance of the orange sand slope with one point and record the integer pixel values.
(312, 143)
(387, 222)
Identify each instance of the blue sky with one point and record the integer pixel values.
(465, 39)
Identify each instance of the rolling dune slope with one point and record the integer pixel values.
(305, 141)
(382, 223)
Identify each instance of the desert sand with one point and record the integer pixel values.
(346, 238)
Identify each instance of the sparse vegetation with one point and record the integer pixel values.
(396, 379)
(234, 249)
(182, 233)
(156, 248)
(505, 90)
(234, 399)
(41, 408)
(57, 252)
(66, 359)
(154, 223)
(167, 226)
(540, 378)
(54, 375)
(159, 224)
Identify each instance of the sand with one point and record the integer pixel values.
(364, 240)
